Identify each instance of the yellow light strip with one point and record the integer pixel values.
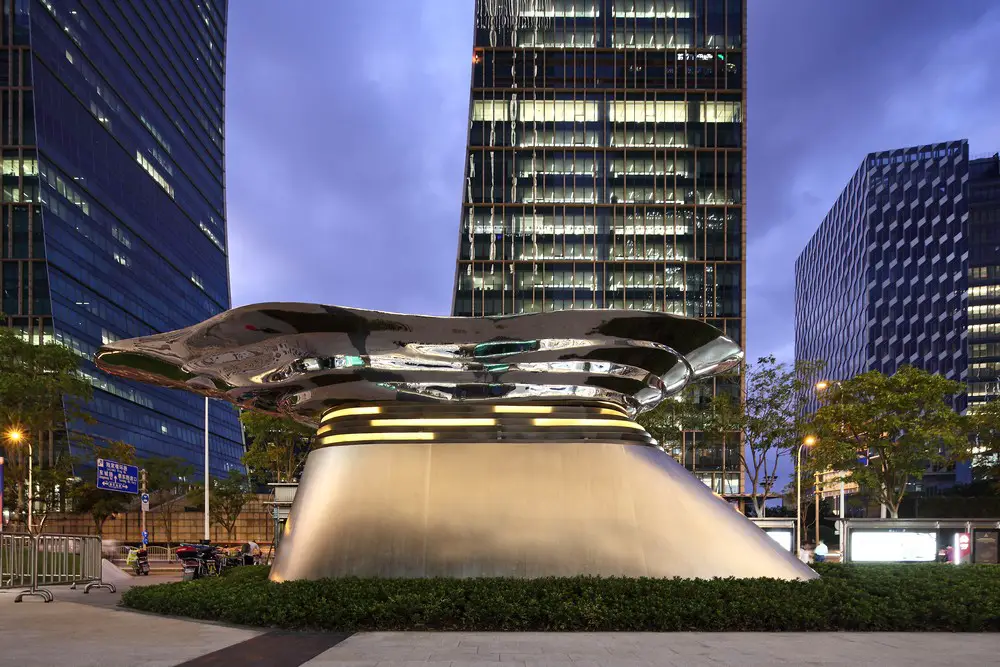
(623, 423)
(609, 411)
(522, 409)
(324, 429)
(429, 421)
(347, 412)
(375, 437)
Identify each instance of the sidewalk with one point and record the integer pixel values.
(80, 630)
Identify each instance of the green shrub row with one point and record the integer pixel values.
(847, 597)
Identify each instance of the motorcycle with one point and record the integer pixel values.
(199, 560)
(139, 560)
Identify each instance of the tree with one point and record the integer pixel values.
(100, 504)
(885, 431)
(277, 447)
(227, 499)
(39, 390)
(684, 412)
(164, 478)
(767, 419)
(984, 427)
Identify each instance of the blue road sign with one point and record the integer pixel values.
(114, 476)
(145, 540)
(145, 499)
(145, 534)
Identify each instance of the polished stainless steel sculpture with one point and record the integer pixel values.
(501, 446)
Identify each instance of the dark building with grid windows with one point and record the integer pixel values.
(984, 279)
(884, 280)
(606, 169)
(113, 212)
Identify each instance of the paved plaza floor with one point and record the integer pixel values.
(80, 630)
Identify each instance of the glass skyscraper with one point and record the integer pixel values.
(113, 212)
(883, 282)
(606, 169)
(984, 279)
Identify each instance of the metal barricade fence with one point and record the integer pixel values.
(50, 560)
(15, 560)
(154, 554)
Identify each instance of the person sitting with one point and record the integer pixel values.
(821, 552)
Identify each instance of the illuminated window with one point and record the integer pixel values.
(652, 9)
(578, 166)
(647, 112)
(649, 38)
(639, 137)
(156, 176)
(557, 40)
(981, 291)
(558, 111)
(721, 112)
(561, 9)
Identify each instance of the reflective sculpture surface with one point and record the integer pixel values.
(500, 446)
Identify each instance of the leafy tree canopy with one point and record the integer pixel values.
(885, 431)
(767, 418)
(276, 447)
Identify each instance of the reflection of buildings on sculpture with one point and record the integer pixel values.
(457, 447)
(905, 269)
(605, 169)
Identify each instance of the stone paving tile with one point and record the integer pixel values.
(68, 634)
(680, 649)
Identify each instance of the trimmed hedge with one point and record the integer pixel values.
(847, 597)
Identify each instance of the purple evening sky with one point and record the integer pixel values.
(347, 121)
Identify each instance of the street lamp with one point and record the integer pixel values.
(16, 436)
(808, 441)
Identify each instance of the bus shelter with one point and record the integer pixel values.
(921, 540)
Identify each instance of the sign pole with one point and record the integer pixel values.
(31, 488)
(145, 503)
(207, 537)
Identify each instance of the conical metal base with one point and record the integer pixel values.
(516, 510)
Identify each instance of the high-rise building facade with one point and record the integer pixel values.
(883, 281)
(606, 169)
(984, 280)
(113, 211)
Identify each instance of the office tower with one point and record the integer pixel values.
(984, 279)
(113, 210)
(606, 169)
(882, 283)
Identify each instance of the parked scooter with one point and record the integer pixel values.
(199, 560)
(139, 560)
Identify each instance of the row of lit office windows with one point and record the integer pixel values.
(588, 111)
(530, 194)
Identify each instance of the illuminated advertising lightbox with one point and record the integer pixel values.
(879, 546)
(782, 537)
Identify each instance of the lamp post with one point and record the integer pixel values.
(16, 436)
(808, 441)
(207, 524)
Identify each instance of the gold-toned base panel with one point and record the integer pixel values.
(516, 510)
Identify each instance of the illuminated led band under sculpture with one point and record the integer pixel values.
(458, 447)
